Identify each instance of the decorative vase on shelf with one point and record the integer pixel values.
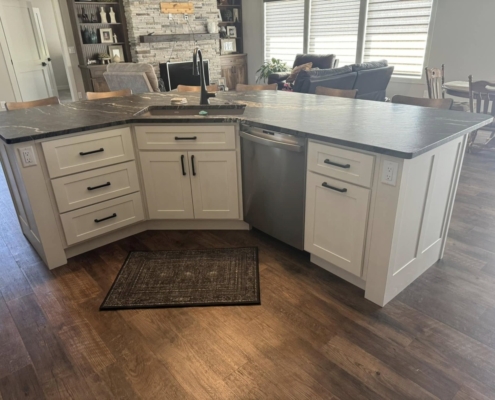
(103, 16)
(212, 27)
(112, 16)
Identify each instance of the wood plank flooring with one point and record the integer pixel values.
(313, 337)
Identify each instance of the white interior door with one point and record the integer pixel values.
(26, 51)
(45, 52)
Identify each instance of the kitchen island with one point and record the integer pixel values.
(380, 184)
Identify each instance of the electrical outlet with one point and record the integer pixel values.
(2, 105)
(79, 94)
(389, 172)
(27, 156)
(72, 49)
(186, 17)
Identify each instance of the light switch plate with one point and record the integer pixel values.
(27, 156)
(389, 172)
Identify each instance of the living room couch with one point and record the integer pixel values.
(370, 79)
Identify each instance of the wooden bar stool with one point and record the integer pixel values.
(185, 88)
(31, 104)
(106, 95)
(247, 88)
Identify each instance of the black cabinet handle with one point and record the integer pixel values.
(186, 138)
(183, 167)
(98, 187)
(324, 184)
(91, 152)
(104, 219)
(192, 164)
(327, 161)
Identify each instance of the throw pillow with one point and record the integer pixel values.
(293, 75)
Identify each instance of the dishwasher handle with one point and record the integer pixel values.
(272, 143)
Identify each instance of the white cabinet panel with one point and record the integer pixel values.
(346, 165)
(87, 188)
(336, 220)
(84, 152)
(214, 184)
(185, 137)
(167, 185)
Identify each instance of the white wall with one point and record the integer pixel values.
(252, 11)
(6, 91)
(462, 39)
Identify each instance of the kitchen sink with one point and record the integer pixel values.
(224, 109)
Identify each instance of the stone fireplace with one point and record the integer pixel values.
(144, 17)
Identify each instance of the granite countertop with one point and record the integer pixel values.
(393, 129)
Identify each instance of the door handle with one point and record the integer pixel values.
(43, 64)
(99, 187)
(327, 161)
(343, 190)
(183, 167)
(192, 165)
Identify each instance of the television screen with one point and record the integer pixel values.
(181, 73)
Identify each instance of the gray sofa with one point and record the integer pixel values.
(370, 79)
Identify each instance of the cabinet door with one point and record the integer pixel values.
(167, 185)
(100, 85)
(241, 73)
(336, 221)
(214, 184)
(230, 77)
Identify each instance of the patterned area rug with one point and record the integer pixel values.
(186, 278)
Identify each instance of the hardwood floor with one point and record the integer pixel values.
(313, 337)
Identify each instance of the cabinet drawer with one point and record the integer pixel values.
(92, 221)
(85, 152)
(214, 137)
(345, 165)
(91, 187)
(336, 221)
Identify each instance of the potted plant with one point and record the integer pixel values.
(271, 67)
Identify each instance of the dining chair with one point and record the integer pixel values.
(247, 88)
(324, 91)
(106, 95)
(185, 88)
(30, 104)
(435, 79)
(444, 104)
(482, 100)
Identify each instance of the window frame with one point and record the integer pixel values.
(361, 37)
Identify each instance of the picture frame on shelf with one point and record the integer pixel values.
(231, 32)
(228, 46)
(116, 51)
(106, 35)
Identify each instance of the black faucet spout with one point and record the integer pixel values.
(199, 69)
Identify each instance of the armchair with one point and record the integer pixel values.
(321, 61)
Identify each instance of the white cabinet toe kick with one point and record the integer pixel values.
(376, 221)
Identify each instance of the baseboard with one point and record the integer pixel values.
(346, 276)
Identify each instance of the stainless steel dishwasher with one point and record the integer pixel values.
(273, 179)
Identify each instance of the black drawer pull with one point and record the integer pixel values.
(183, 167)
(186, 138)
(327, 161)
(98, 187)
(91, 152)
(192, 164)
(324, 184)
(104, 219)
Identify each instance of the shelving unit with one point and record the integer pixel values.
(93, 74)
(233, 66)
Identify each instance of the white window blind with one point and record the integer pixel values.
(284, 30)
(397, 30)
(334, 28)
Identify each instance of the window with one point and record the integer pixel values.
(396, 30)
(284, 30)
(334, 28)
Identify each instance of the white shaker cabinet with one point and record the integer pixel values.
(336, 220)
